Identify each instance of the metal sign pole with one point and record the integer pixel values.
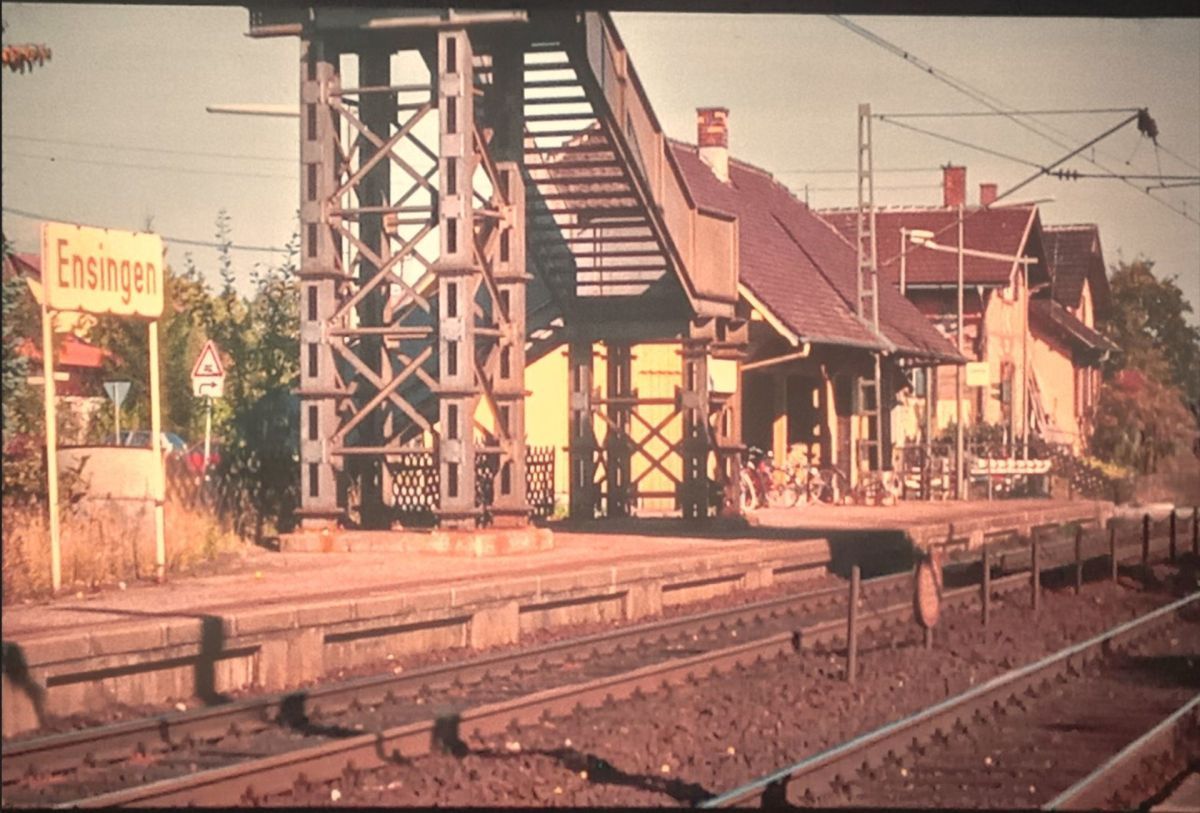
(51, 445)
(117, 420)
(207, 435)
(159, 477)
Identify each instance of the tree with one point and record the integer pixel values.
(1150, 313)
(1143, 415)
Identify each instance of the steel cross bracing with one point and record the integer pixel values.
(538, 123)
(870, 390)
(382, 347)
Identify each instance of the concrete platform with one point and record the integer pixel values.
(291, 618)
(960, 524)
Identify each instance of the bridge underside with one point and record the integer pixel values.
(475, 191)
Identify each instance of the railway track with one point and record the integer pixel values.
(1103, 722)
(232, 768)
(268, 745)
(44, 770)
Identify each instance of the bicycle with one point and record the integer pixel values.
(762, 484)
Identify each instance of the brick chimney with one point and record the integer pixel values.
(987, 194)
(712, 135)
(954, 186)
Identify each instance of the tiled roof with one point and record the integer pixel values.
(1050, 317)
(1074, 255)
(799, 267)
(1000, 231)
(72, 352)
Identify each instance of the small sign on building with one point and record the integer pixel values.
(977, 373)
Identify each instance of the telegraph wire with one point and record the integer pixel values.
(1179, 158)
(153, 167)
(166, 150)
(180, 240)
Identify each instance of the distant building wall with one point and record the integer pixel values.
(1056, 382)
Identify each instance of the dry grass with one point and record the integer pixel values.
(105, 544)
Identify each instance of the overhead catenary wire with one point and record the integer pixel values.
(1008, 113)
(960, 142)
(181, 240)
(990, 102)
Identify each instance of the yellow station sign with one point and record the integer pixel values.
(102, 270)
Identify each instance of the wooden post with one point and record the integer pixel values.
(1145, 539)
(1172, 549)
(1196, 532)
(852, 626)
(1035, 574)
(1112, 548)
(987, 585)
(1078, 559)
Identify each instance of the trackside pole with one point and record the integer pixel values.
(1078, 560)
(987, 585)
(1112, 548)
(1035, 576)
(852, 626)
(51, 445)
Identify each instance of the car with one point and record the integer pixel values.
(172, 444)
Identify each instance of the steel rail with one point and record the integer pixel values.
(62, 751)
(1093, 790)
(251, 781)
(819, 770)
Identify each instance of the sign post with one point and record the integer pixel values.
(100, 271)
(51, 444)
(208, 381)
(117, 390)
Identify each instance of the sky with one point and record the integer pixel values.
(113, 130)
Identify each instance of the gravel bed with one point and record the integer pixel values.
(683, 744)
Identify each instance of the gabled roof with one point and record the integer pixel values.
(798, 267)
(1006, 230)
(1050, 317)
(1074, 255)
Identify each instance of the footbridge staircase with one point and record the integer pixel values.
(477, 189)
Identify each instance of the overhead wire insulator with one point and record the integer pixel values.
(1147, 126)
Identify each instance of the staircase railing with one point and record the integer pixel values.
(704, 241)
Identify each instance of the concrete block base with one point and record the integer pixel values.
(477, 543)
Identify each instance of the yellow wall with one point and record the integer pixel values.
(656, 374)
(1005, 329)
(1056, 383)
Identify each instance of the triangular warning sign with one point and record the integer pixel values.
(209, 363)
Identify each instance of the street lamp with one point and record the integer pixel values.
(924, 238)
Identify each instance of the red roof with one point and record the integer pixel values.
(72, 352)
(1050, 317)
(1000, 231)
(799, 267)
(1074, 255)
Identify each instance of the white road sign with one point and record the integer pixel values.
(208, 374)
